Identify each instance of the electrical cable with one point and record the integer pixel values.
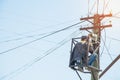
(88, 6)
(114, 39)
(116, 17)
(103, 43)
(107, 50)
(20, 38)
(48, 52)
(40, 38)
(116, 13)
(49, 26)
(29, 36)
(103, 6)
(44, 27)
(106, 4)
(92, 7)
(97, 6)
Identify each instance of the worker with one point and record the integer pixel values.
(93, 58)
(79, 53)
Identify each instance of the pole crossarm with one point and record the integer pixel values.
(86, 18)
(100, 16)
(105, 26)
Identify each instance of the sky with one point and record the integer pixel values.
(26, 21)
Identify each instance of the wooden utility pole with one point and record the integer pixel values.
(96, 29)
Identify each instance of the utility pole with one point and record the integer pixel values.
(96, 29)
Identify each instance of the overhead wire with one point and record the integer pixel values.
(35, 60)
(114, 39)
(10, 32)
(34, 18)
(103, 43)
(97, 6)
(51, 26)
(88, 6)
(103, 6)
(39, 29)
(116, 15)
(107, 4)
(20, 38)
(110, 55)
(107, 50)
(93, 6)
(28, 36)
(40, 38)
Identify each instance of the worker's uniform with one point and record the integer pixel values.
(79, 54)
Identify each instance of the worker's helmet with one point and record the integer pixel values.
(84, 37)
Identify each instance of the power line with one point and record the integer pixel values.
(114, 39)
(44, 27)
(93, 6)
(20, 38)
(107, 50)
(97, 6)
(103, 43)
(103, 6)
(106, 4)
(117, 13)
(40, 38)
(29, 36)
(116, 17)
(48, 52)
(88, 6)
(49, 26)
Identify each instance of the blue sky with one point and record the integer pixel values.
(21, 19)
